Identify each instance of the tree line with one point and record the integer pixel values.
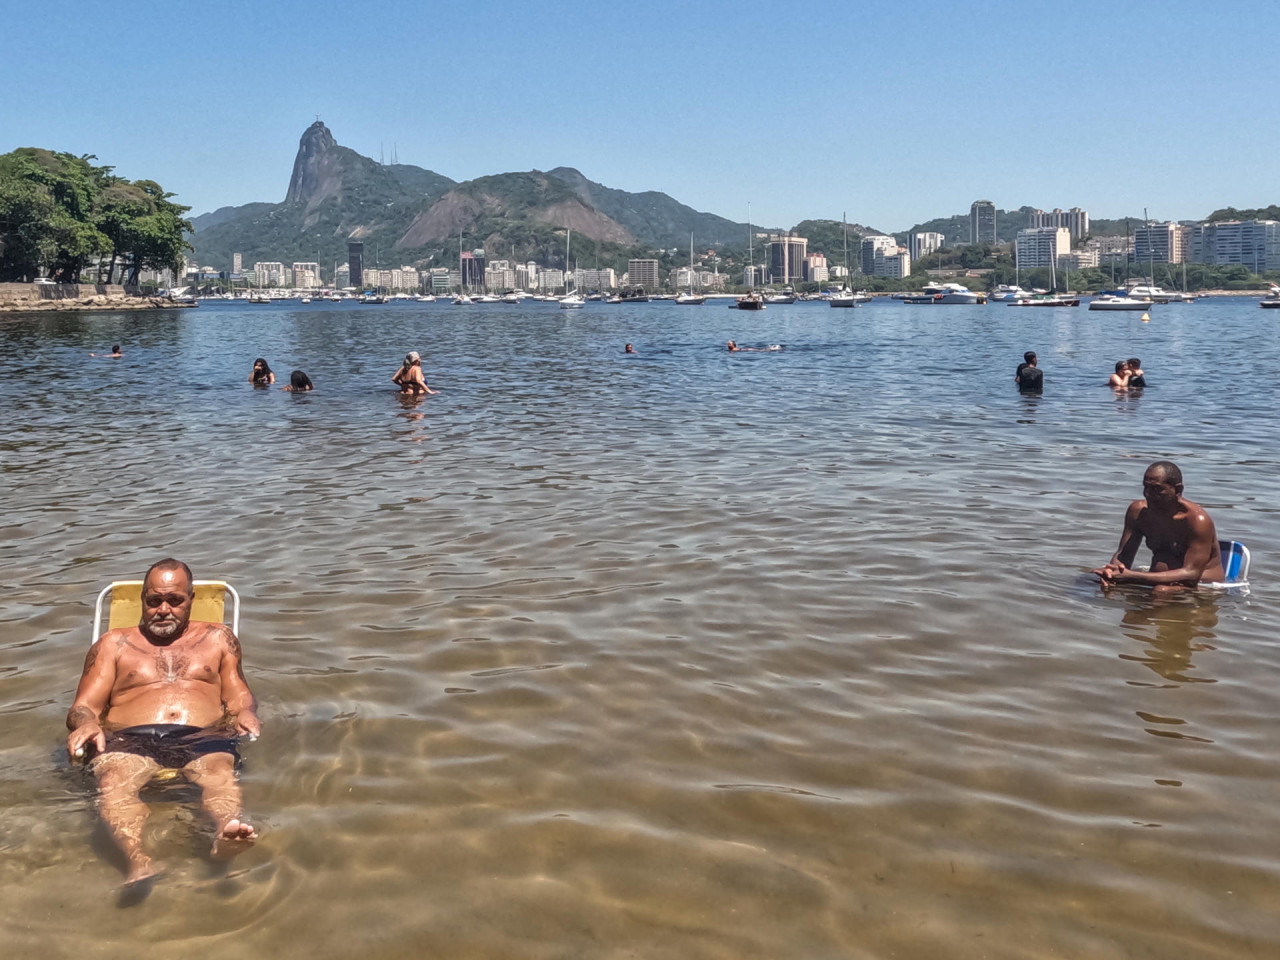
(62, 217)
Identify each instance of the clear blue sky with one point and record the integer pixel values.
(893, 112)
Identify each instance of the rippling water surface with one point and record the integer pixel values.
(682, 654)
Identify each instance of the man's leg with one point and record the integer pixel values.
(215, 775)
(120, 777)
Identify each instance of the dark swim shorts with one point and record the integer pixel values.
(172, 745)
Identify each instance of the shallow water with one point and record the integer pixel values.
(682, 654)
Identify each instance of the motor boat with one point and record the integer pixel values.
(1009, 291)
(750, 301)
(946, 293)
(690, 299)
(572, 301)
(780, 298)
(1115, 302)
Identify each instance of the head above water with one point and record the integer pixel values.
(115, 348)
(1134, 362)
(168, 592)
(260, 366)
(411, 358)
(1121, 366)
(1162, 483)
(1029, 356)
(300, 381)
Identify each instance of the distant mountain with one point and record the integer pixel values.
(405, 214)
(827, 237)
(1260, 213)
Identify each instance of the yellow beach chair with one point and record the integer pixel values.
(124, 601)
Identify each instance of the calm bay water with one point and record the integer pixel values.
(682, 654)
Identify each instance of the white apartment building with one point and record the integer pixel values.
(753, 278)
(549, 279)
(1251, 243)
(871, 247)
(306, 276)
(500, 275)
(237, 263)
(894, 263)
(527, 275)
(269, 273)
(643, 273)
(921, 244)
(406, 278)
(1075, 220)
(606, 279)
(1041, 246)
(1078, 259)
(1161, 243)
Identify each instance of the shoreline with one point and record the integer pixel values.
(43, 297)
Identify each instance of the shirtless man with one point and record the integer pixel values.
(1182, 538)
(409, 377)
(168, 693)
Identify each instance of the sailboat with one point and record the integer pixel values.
(571, 300)
(689, 298)
(846, 297)
(752, 300)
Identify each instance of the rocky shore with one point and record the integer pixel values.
(43, 297)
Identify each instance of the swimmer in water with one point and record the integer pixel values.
(629, 349)
(734, 348)
(261, 375)
(115, 352)
(1181, 535)
(169, 693)
(409, 377)
(1120, 379)
(1137, 376)
(299, 382)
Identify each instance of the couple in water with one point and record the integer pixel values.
(1129, 375)
(262, 376)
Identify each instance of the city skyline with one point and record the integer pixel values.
(1113, 126)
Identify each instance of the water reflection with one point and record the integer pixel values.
(1172, 628)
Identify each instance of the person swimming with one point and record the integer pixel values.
(1120, 379)
(261, 375)
(410, 378)
(115, 352)
(629, 349)
(734, 348)
(299, 382)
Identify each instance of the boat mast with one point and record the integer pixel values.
(844, 228)
(751, 254)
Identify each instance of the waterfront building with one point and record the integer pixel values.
(873, 245)
(269, 273)
(710, 280)
(438, 280)
(838, 271)
(755, 277)
(1111, 250)
(1075, 220)
(355, 263)
(527, 275)
(306, 276)
(1251, 243)
(1041, 246)
(472, 269)
(605, 279)
(549, 279)
(1161, 242)
(982, 222)
(237, 263)
(643, 273)
(922, 244)
(499, 275)
(894, 263)
(815, 268)
(406, 278)
(342, 276)
(786, 258)
(1078, 259)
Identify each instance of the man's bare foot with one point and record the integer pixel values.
(144, 868)
(234, 838)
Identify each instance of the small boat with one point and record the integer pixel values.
(1045, 301)
(1112, 302)
(691, 299)
(335, 299)
(511, 298)
(427, 298)
(260, 298)
(614, 299)
(1009, 291)
(936, 293)
(780, 298)
(571, 301)
(634, 295)
(751, 301)
(462, 300)
(306, 299)
(371, 298)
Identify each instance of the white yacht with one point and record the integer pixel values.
(1009, 291)
(571, 301)
(946, 293)
(1113, 302)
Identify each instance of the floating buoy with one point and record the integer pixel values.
(1146, 318)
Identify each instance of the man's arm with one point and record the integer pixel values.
(92, 696)
(1127, 550)
(237, 698)
(1200, 552)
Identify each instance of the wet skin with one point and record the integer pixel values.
(1180, 534)
(165, 670)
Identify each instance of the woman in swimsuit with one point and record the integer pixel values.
(261, 375)
(299, 382)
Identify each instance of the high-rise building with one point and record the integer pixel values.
(550, 279)
(1160, 242)
(527, 275)
(1075, 220)
(643, 273)
(982, 222)
(1252, 243)
(815, 268)
(473, 269)
(921, 244)
(873, 245)
(1041, 246)
(603, 279)
(355, 261)
(237, 264)
(892, 262)
(306, 276)
(753, 278)
(269, 273)
(786, 258)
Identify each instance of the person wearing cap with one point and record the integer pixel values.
(409, 377)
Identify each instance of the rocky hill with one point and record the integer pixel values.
(405, 214)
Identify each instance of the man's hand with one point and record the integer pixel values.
(247, 724)
(82, 735)
(1112, 572)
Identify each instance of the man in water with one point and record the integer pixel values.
(629, 349)
(1029, 378)
(166, 694)
(1181, 535)
(116, 352)
(409, 377)
(1137, 376)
